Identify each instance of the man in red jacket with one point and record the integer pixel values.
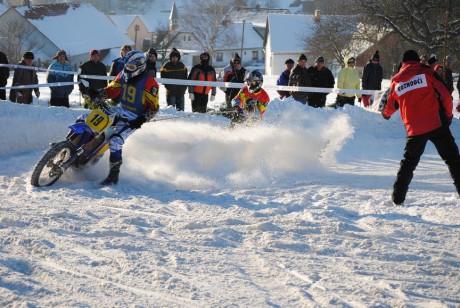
(426, 110)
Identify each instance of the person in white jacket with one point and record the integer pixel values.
(348, 79)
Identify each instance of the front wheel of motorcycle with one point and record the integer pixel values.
(48, 170)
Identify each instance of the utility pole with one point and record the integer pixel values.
(242, 43)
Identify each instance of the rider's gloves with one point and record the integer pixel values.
(137, 122)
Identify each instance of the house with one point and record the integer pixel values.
(141, 29)
(238, 36)
(282, 39)
(74, 27)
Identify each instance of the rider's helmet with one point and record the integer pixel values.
(254, 80)
(135, 64)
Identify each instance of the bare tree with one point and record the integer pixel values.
(333, 38)
(206, 20)
(429, 25)
(16, 39)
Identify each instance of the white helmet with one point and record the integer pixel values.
(135, 64)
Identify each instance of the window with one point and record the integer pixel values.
(219, 56)
(189, 38)
(255, 55)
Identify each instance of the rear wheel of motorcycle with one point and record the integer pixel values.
(48, 169)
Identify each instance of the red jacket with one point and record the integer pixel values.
(421, 97)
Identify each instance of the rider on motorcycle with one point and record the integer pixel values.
(138, 94)
(251, 97)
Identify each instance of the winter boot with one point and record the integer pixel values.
(112, 178)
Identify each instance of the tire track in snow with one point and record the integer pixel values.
(183, 302)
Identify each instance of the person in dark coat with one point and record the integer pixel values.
(151, 56)
(283, 79)
(174, 69)
(321, 77)
(24, 77)
(60, 95)
(372, 78)
(236, 75)
(299, 77)
(4, 74)
(448, 76)
(93, 67)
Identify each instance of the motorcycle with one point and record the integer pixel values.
(249, 115)
(84, 145)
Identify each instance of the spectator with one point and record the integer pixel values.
(433, 61)
(24, 77)
(348, 79)
(424, 60)
(448, 76)
(199, 94)
(426, 110)
(92, 67)
(439, 70)
(299, 77)
(4, 74)
(236, 75)
(119, 63)
(60, 95)
(283, 79)
(174, 69)
(225, 71)
(372, 78)
(321, 77)
(151, 56)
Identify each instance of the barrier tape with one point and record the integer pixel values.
(183, 82)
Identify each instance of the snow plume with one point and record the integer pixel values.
(202, 152)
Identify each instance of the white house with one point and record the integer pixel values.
(283, 39)
(74, 27)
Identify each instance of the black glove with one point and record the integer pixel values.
(449, 120)
(137, 122)
(92, 93)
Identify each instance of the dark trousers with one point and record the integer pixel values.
(200, 103)
(415, 146)
(59, 101)
(344, 100)
(317, 100)
(3, 94)
(176, 101)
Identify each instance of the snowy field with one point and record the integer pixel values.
(293, 212)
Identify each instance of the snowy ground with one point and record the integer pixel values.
(291, 213)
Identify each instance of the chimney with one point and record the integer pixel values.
(317, 15)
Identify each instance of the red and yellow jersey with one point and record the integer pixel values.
(245, 99)
(140, 97)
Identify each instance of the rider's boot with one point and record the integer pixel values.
(112, 178)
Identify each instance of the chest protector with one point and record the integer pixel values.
(132, 95)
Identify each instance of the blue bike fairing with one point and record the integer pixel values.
(81, 128)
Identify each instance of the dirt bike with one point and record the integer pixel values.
(247, 116)
(84, 145)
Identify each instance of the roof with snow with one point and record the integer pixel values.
(75, 27)
(286, 31)
(252, 15)
(251, 38)
(151, 22)
(122, 22)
